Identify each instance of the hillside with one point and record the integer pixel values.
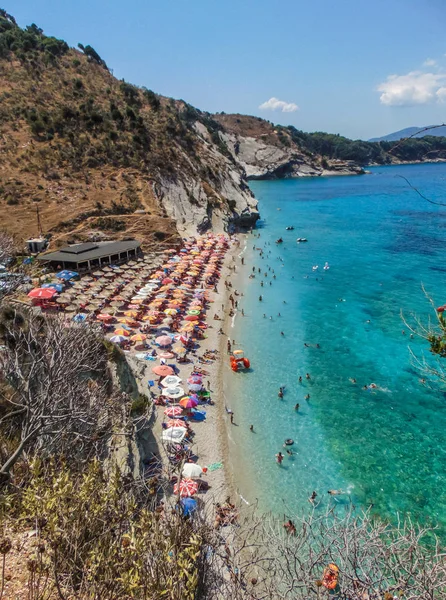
(270, 151)
(99, 156)
(417, 132)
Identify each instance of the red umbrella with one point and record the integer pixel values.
(167, 280)
(186, 487)
(195, 379)
(175, 423)
(163, 370)
(173, 411)
(191, 318)
(45, 293)
(188, 402)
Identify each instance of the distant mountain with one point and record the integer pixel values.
(410, 131)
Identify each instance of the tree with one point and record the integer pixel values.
(54, 395)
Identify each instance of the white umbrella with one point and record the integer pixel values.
(170, 381)
(174, 434)
(195, 387)
(173, 392)
(191, 470)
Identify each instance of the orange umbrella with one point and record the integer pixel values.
(122, 331)
(125, 320)
(139, 337)
(175, 423)
(131, 313)
(163, 370)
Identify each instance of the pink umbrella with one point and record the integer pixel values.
(195, 379)
(173, 411)
(164, 340)
(186, 487)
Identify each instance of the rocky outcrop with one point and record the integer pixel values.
(266, 160)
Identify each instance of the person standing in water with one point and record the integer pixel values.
(279, 458)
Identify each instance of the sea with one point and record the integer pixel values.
(384, 445)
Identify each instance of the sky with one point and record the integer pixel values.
(359, 68)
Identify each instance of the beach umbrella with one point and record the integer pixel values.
(117, 339)
(126, 320)
(186, 487)
(170, 311)
(173, 392)
(55, 286)
(173, 411)
(188, 402)
(187, 328)
(192, 470)
(166, 355)
(139, 337)
(104, 317)
(191, 318)
(174, 423)
(170, 381)
(195, 387)
(195, 379)
(71, 308)
(80, 318)
(163, 340)
(193, 312)
(188, 506)
(175, 434)
(66, 275)
(121, 331)
(131, 313)
(108, 311)
(44, 293)
(163, 370)
(62, 300)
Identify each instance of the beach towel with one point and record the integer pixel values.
(215, 466)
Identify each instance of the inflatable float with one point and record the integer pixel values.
(330, 576)
(238, 361)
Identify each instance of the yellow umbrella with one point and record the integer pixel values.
(121, 331)
(131, 313)
(125, 320)
(139, 337)
(187, 328)
(170, 311)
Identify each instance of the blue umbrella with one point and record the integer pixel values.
(79, 318)
(189, 506)
(66, 275)
(56, 286)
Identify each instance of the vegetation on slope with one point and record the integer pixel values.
(321, 145)
(74, 136)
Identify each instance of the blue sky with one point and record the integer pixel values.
(356, 67)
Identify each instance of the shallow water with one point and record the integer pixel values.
(381, 240)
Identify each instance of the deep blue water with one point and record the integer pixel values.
(382, 241)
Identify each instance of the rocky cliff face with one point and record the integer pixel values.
(265, 153)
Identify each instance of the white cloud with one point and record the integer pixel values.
(414, 88)
(441, 94)
(429, 62)
(276, 104)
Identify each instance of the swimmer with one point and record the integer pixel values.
(336, 492)
(308, 376)
(251, 428)
(312, 498)
(352, 380)
(279, 458)
(300, 378)
(260, 298)
(296, 408)
(281, 333)
(289, 452)
(280, 394)
(307, 397)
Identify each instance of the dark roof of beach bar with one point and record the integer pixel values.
(89, 251)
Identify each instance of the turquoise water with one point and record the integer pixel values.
(382, 241)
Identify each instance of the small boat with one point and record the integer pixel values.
(330, 576)
(239, 361)
(279, 241)
(291, 228)
(316, 267)
(299, 240)
(326, 266)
